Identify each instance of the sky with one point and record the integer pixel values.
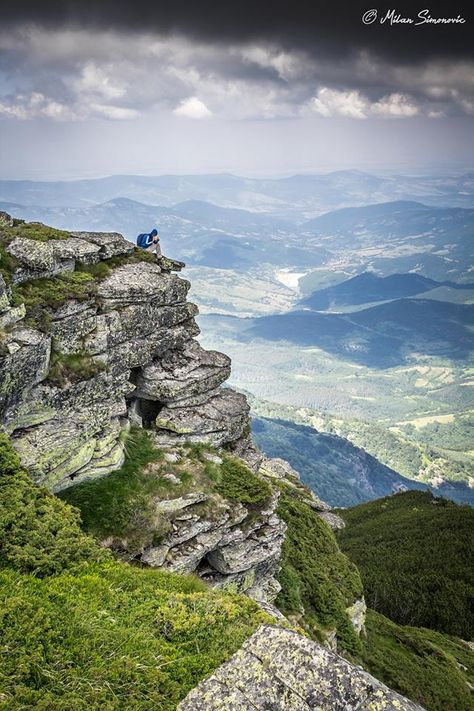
(254, 88)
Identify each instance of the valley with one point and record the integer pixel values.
(345, 300)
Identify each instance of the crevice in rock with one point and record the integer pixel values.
(147, 411)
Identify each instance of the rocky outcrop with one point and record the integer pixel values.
(279, 670)
(135, 333)
(124, 353)
(39, 259)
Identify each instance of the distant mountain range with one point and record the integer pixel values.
(298, 195)
(381, 336)
(390, 220)
(386, 238)
(369, 287)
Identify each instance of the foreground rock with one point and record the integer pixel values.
(279, 670)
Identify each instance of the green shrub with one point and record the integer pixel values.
(238, 483)
(113, 636)
(415, 556)
(318, 581)
(38, 532)
(430, 668)
(79, 630)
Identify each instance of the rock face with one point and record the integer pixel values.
(279, 670)
(137, 330)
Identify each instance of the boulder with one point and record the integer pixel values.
(357, 613)
(182, 502)
(183, 373)
(141, 283)
(110, 244)
(262, 545)
(78, 250)
(6, 220)
(281, 670)
(333, 520)
(220, 419)
(136, 321)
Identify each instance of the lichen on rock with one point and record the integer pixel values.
(279, 669)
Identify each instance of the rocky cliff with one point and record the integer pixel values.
(96, 338)
(113, 405)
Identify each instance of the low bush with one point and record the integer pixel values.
(318, 581)
(415, 556)
(79, 630)
(432, 669)
(38, 532)
(238, 483)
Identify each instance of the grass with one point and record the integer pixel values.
(123, 505)
(41, 296)
(415, 556)
(65, 369)
(430, 668)
(79, 630)
(112, 636)
(318, 581)
(104, 268)
(33, 230)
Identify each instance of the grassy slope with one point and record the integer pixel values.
(318, 581)
(84, 631)
(415, 555)
(433, 669)
(123, 504)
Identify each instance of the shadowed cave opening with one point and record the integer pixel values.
(147, 411)
(141, 410)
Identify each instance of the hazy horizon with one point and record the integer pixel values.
(115, 89)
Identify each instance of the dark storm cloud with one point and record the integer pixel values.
(322, 28)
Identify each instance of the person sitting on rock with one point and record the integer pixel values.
(151, 242)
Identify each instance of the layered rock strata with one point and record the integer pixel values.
(134, 331)
(138, 331)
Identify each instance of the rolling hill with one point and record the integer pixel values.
(415, 555)
(381, 336)
(368, 287)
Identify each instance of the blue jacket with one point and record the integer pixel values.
(146, 238)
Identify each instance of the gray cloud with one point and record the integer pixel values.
(320, 27)
(71, 73)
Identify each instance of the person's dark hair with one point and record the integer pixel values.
(154, 232)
